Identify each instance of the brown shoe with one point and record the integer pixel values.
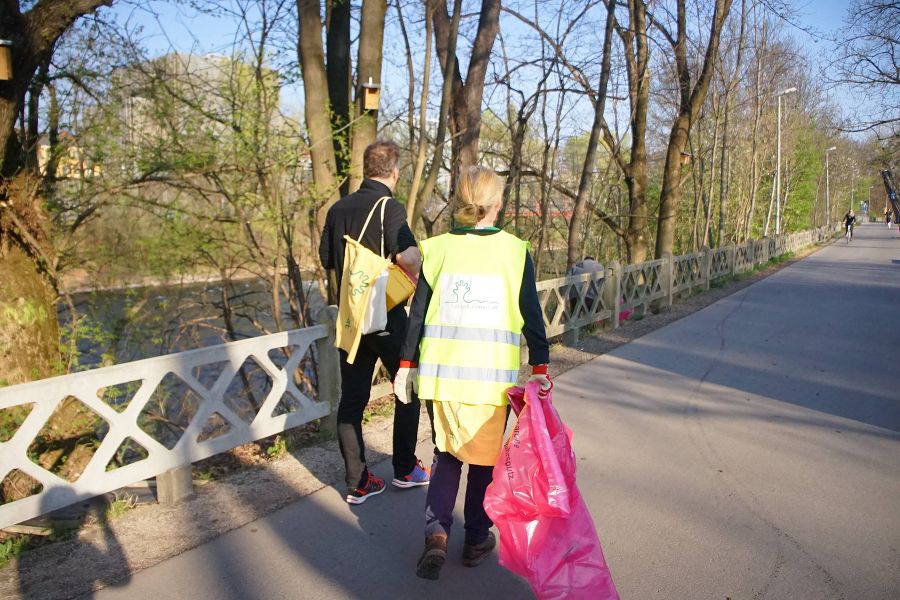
(473, 554)
(433, 557)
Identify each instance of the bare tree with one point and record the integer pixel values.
(867, 58)
(691, 95)
(465, 107)
(576, 224)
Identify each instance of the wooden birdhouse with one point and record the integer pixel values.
(6, 70)
(371, 93)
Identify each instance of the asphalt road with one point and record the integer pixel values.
(748, 451)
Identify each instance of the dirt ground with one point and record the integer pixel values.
(111, 549)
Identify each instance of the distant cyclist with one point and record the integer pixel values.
(849, 220)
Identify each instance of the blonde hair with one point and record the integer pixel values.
(477, 190)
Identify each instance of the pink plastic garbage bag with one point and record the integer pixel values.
(546, 532)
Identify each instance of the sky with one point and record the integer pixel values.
(175, 24)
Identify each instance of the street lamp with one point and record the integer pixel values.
(827, 192)
(790, 90)
(869, 201)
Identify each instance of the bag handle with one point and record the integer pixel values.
(383, 201)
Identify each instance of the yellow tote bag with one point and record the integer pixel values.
(361, 268)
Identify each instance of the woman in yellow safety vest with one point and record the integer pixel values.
(475, 298)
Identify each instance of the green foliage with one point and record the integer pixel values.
(13, 547)
(25, 313)
(278, 448)
(64, 530)
(806, 170)
(120, 506)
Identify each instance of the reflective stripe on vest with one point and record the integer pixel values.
(508, 377)
(472, 334)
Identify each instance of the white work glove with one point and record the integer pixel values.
(405, 381)
(539, 374)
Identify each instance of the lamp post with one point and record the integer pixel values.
(790, 90)
(827, 190)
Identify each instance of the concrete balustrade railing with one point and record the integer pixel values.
(580, 300)
(216, 381)
(301, 381)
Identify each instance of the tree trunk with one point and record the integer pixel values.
(725, 160)
(29, 331)
(754, 144)
(465, 108)
(368, 67)
(637, 64)
(316, 103)
(338, 72)
(691, 99)
(635, 238)
(451, 78)
(577, 236)
(708, 191)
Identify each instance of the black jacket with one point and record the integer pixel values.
(347, 216)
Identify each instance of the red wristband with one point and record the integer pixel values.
(539, 369)
(407, 364)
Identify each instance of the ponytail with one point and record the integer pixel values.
(477, 190)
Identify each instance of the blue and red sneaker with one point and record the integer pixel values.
(420, 475)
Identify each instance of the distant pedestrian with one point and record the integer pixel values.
(348, 217)
(476, 297)
(887, 216)
(588, 265)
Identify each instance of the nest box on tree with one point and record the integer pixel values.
(371, 92)
(6, 71)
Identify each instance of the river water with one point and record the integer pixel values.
(114, 327)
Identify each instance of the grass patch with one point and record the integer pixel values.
(64, 530)
(278, 448)
(120, 506)
(381, 407)
(13, 547)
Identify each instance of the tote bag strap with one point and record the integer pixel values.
(383, 201)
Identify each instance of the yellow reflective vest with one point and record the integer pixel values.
(469, 351)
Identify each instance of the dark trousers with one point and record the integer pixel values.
(445, 475)
(356, 385)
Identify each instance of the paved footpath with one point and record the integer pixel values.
(748, 451)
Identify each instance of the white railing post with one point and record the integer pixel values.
(328, 370)
(612, 291)
(174, 485)
(668, 277)
(706, 266)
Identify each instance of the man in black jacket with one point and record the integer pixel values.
(346, 217)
